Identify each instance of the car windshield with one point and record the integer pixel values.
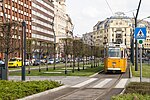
(13, 59)
(114, 52)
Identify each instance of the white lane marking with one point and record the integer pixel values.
(121, 83)
(84, 83)
(101, 84)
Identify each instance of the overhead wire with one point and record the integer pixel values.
(130, 11)
(109, 7)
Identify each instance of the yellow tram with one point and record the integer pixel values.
(115, 59)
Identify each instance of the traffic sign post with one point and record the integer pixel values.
(140, 36)
(140, 62)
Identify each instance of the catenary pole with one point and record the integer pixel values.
(136, 45)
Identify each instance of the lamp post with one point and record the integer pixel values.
(54, 43)
(91, 53)
(23, 49)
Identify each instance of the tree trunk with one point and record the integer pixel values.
(66, 64)
(6, 65)
(78, 65)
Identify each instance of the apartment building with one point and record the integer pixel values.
(117, 29)
(88, 38)
(98, 33)
(142, 23)
(42, 20)
(63, 26)
(16, 11)
(42, 27)
(46, 20)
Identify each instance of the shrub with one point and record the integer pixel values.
(135, 91)
(10, 90)
(141, 88)
(133, 96)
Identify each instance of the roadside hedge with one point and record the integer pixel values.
(11, 90)
(133, 96)
(142, 88)
(135, 91)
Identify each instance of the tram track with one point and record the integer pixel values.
(109, 89)
(87, 93)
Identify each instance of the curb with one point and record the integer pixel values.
(122, 91)
(96, 73)
(43, 93)
(130, 76)
(130, 72)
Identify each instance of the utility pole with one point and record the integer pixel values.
(136, 45)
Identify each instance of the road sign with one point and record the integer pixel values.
(140, 33)
(140, 41)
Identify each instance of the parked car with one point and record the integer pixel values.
(2, 62)
(64, 61)
(57, 60)
(15, 62)
(36, 62)
(28, 62)
(50, 61)
(43, 61)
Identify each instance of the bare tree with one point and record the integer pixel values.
(9, 38)
(67, 42)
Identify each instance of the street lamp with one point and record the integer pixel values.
(23, 49)
(52, 23)
(52, 1)
(91, 52)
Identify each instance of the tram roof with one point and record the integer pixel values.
(115, 45)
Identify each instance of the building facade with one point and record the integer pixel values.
(14, 13)
(117, 29)
(88, 38)
(42, 20)
(42, 28)
(46, 22)
(63, 26)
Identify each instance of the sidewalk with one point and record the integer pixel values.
(137, 79)
(66, 80)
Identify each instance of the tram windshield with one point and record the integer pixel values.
(114, 52)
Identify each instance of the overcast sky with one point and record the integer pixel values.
(86, 13)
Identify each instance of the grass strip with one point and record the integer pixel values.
(51, 72)
(145, 71)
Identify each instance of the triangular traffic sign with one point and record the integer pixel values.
(140, 33)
